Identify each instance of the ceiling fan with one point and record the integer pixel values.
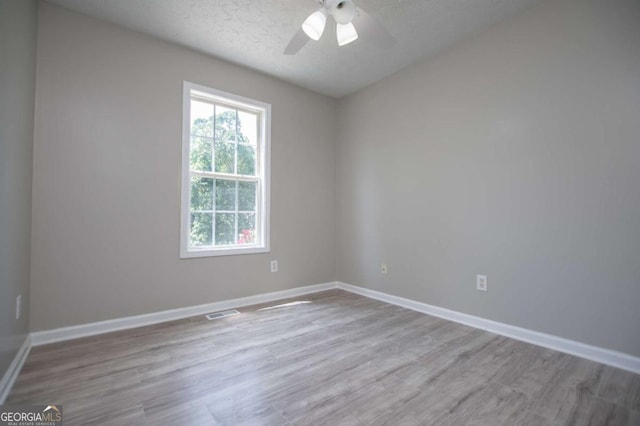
(351, 22)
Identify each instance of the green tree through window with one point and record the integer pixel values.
(225, 173)
(224, 184)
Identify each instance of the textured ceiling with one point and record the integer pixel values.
(254, 33)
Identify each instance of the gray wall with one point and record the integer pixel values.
(17, 92)
(106, 182)
(517, 155)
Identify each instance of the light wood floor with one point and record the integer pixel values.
(340, 359)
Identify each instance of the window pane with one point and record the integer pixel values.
(225, 194)
(224, 171)
(246, 228)
(247, 128)
(225, 229)
(201, 193)
(246, 160)
(201, 118)
(225, 124)
(200, 157)
(225, 157)
(247, 196)
(201, 231)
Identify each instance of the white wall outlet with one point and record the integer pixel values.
(481, 283)
(18, 306)
(274, 266)
(383, 269)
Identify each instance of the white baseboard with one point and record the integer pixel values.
(582, 350)
(594, 353)
(74, 332)
(14, 368)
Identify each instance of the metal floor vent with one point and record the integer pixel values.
(223, 314)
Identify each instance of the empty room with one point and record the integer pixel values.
(320, 212)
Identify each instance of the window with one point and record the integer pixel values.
(225, 174)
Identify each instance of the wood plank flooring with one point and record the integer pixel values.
(332, 358)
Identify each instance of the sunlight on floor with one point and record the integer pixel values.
(297, 302)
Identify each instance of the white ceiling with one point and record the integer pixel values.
(254, 33)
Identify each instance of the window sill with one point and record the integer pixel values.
(226, 251)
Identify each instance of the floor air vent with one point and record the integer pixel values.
(223, 314)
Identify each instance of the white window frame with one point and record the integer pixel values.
(263, 168)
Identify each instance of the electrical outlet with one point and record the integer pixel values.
(18, 306)
(383, 269)
(481, 283)
(274, 266)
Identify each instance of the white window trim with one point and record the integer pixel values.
(265, 161)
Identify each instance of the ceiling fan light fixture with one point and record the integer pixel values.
(346, 33)
(314, 25)
(344, 12)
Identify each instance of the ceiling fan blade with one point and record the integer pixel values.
(297, 42)
(369, 28)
